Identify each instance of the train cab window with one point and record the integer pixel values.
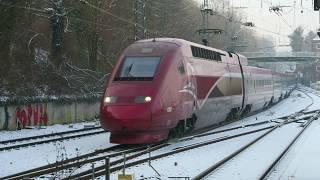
(138, 68)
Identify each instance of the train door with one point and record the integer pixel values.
(235, 86)
(275, 87)
(246, 86)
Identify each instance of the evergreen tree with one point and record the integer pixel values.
(297, 39)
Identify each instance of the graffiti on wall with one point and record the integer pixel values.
(31, 115)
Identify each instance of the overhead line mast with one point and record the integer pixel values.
(140, 26)
(205, 31)
(205, 11)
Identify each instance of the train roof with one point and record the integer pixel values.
(181, 42)
(229, 57)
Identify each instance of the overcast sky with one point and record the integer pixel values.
(278, 26)
(281, 25)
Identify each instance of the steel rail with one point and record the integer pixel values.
(47, 135)
(247, 125)
(100, 171)
(30, 172)
(277, 160)
(74, 162)
(87, 174)
(50, 140)
(212, 168)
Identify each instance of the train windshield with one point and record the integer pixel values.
(138, 69)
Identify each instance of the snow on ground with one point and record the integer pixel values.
(295, 103)
(15, 161)
(302, 161)
(8, 135)
(190, 163)
(259, 156)
(182, 164)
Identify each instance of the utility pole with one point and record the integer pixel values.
(140, 27)
(316, 4)
(205, 31)
(295, 14)
(205, 11)
(57, 24)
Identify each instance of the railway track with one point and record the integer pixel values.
(211, 170)
(289, 119)
(10, 141)
(100, 170)
(61, 136)
(97, 156)
(283, 153)
(305, 115)
(49, 171)
(204, 131)
(227, 159)
(86, 160)
(274, 121)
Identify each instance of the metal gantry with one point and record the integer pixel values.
(140, 27)
(205, 30)
(57, 23)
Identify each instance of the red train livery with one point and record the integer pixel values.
(169, 86)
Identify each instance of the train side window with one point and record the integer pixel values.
(218, 57)
(211, 55)
(195, 52)
(202, 53)
(214, 55)
(199, 52)
(208, 54)
(193, 49)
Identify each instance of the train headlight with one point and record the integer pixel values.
(147, 99)
(109, 99)
(143, 99)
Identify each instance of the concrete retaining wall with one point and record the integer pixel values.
(14, 117)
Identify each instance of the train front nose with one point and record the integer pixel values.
(126, 118)
(130, 123)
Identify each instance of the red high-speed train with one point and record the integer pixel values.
(169, 86)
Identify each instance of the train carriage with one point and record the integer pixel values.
(169, 86)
